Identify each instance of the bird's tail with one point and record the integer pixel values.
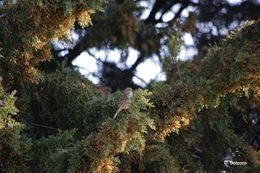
(117, 113)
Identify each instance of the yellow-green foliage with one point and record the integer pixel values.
(125, 134)
(233, 68)
(7, 109)
(14, 147)
(175, 104)
(28, 27)
(201, 101)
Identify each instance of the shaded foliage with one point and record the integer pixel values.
(207, 22)
(206, 111)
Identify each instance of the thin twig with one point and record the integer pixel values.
(44, 126)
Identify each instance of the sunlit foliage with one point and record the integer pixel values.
(205, 110)
(27, 28)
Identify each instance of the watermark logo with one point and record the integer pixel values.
(229, 163)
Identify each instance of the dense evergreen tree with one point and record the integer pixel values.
(207, 21)
(54, 120)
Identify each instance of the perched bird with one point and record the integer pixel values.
(2, 103)
(124, 102)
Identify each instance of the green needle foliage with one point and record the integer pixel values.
(15, 148)
(205, 111)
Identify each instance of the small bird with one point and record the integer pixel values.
(2, 103)
(124, 102)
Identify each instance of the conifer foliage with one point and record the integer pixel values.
(58, 121)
